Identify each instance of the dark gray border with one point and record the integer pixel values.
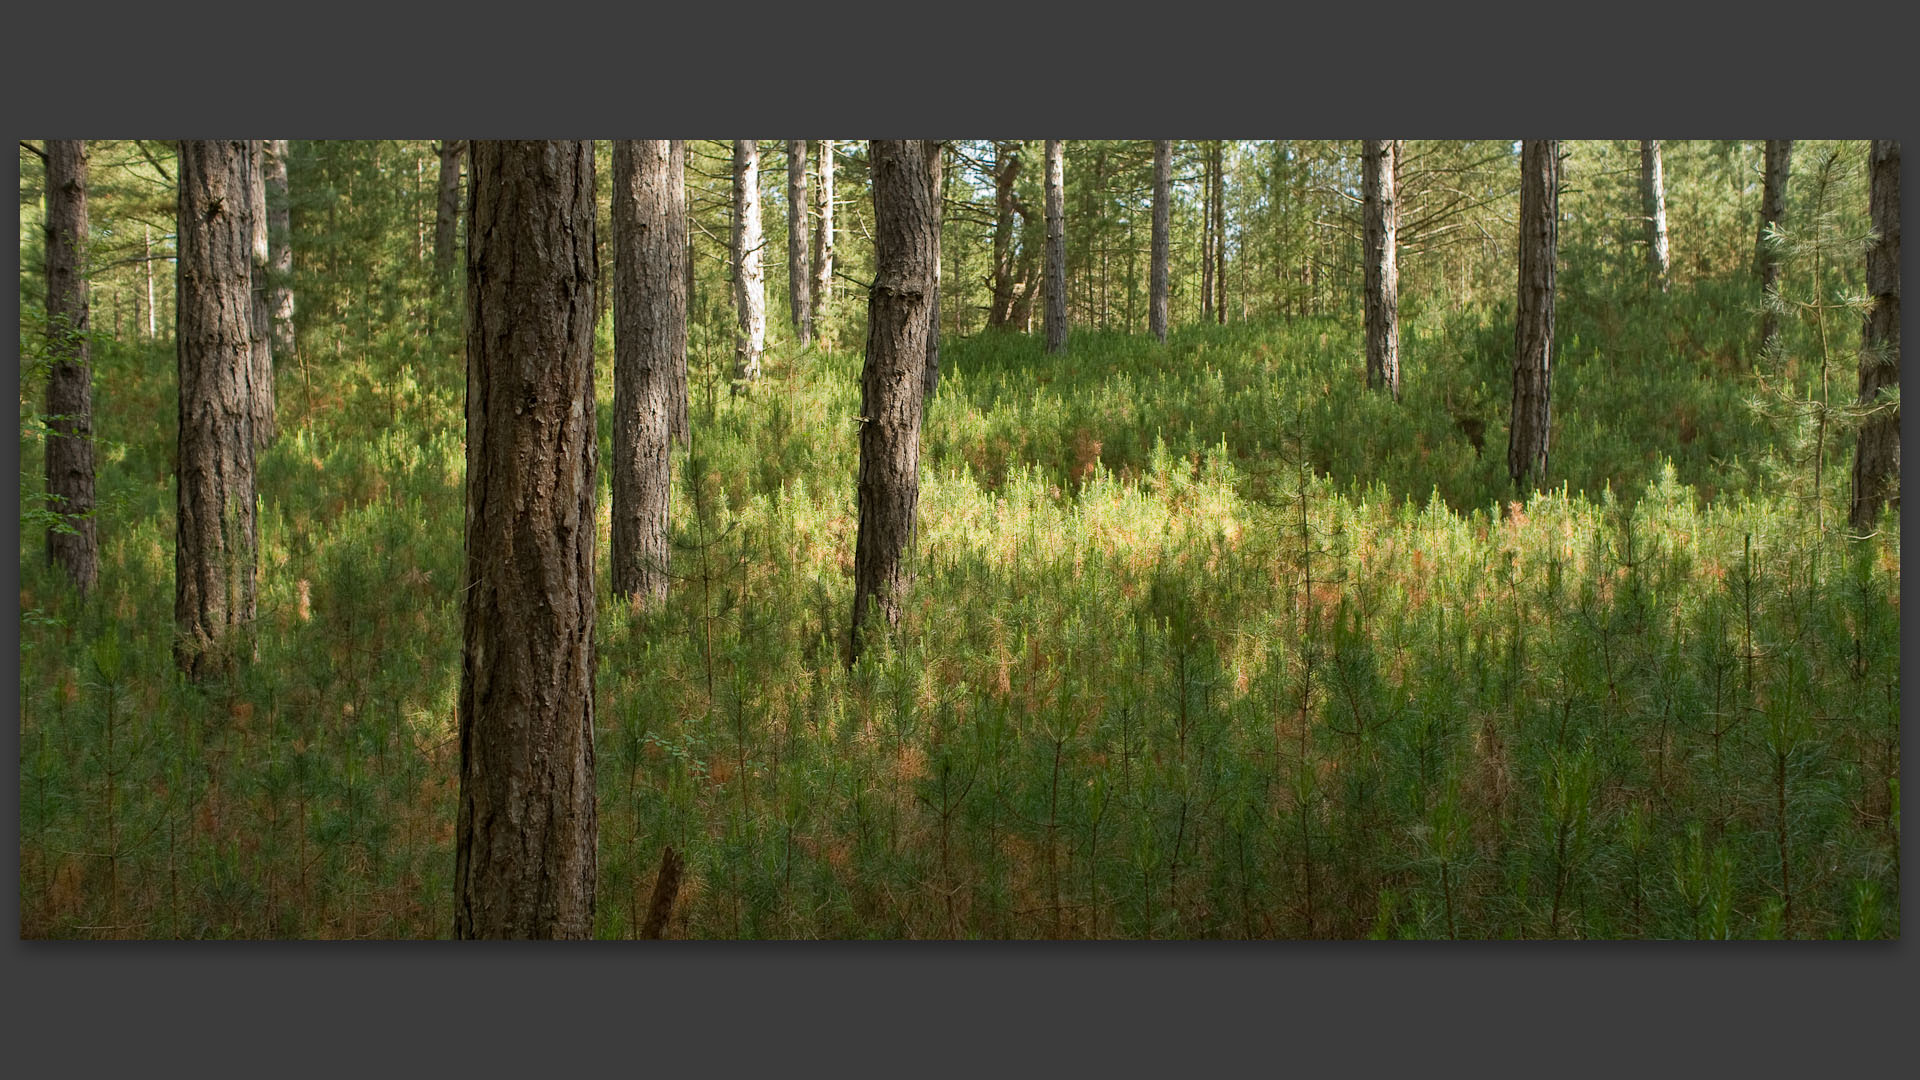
(1169, 1009)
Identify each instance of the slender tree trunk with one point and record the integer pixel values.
(524, 857)
(1876, 460)
(1006, 170)
(749, 284)
(446, 214)
(936, 150)
(1207, 240)
(1219, 235)
(1381, 191)
(264, 425)
(75, 548)
(1056, 249)
(1653, 196)
(891, 380)
(216, 542)
(1027, 288)
(1532, 420)
(649, 343)
(822, 239)
(679, 428)
(279, 250)
(153, 320)
(799, 271)
(1159, 306)
(1773, 208)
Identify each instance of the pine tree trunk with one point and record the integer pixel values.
(1027, 285)
(1206, 234)
(264, 424)
(1532, 419)
(70, 369)
(936, 150)
(1380, 188)
(891, 380)
(649, 342)
(822, 238)
(1773, 208)
(216, 539)
(799, 271)
(1006, 170)
(749, 284)
(1653, 196)
(1056, 318)
(279, 250)
(1876, 461)
(1219, 236)
(524, 861)
(1158, 306)
(446, 214)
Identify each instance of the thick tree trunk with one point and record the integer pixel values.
(1380, 190)
(822, 239)
(1219, 236)
(1653, 197)
(1773, 208)
(936, 150)
(649, 343)
(216, 539)
(1056, 249)
(1876, 460)
(446, 214)
(749, 284)
(264, 425)
(1027, 285)
(75, 548)
(1158, 306)
(1006, 171)
(524, 862)
(799, 271)
(279, 249)
(891, 380)
(1532, 420)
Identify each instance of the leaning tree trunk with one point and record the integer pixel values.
(822, 239)
(1056, 249)
(1219, 236)
(935, 152)
(446, 214)
(215, 538)
(1773, 207)
(799, 273)
(279, 249)
(749, 285)
(525, 840)
(1006, 170)
(73, 545)
(1027, 283)
(1653, 197)
(264, 425)
(1158, 306)
(891, 380)
(649, 344)
(1380, 188)
(1532, 420)
(1876, 460)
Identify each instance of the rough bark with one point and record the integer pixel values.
(1876, 460)
(1773, 207)
(1380, 192)
(264, 425)
(1653, 197)
(1027, 284)
(524, 863)
(1219, 236)
(1158, 306)
(446, 214)
(74, 548)
(1532, 418)
(891, 379)
(216, 539)
(649, 343)
(273, 165)
(936, 180)
(749, 283)
(1056, 318)
(1006, 172)
(822, 238)
(799, 272)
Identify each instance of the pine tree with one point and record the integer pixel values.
(72, 543)
(1876, 461)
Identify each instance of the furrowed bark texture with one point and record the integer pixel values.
(446, 214)
(1380, 189)
(1653, 197)
(935, 152)
(799, 272)
(822, 238)
(265, 427)
(890, 381)
(1532, 421)
(70, 371)
(1006, 170)
(279, 249)
(1773, 207)
(649, 345)
(749, 283)
(1876, 460)
(1056, 317)
(1162, 224)
(216, 542)
(525, 838)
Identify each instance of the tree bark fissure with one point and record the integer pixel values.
(1159, 306)
(1876, 461)
(1532, 416)
(74, 547)
(1382, 207)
